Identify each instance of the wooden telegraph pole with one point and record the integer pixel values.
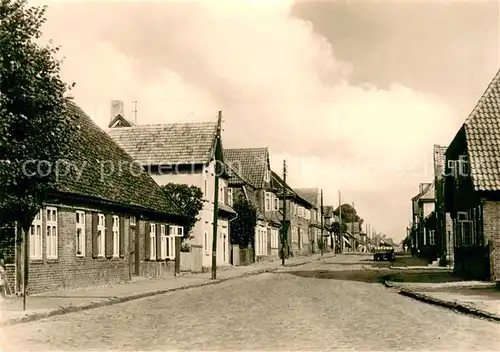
(216, 199)
(341, 239)
(322, 236)
(284, 227)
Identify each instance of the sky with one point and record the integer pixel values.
(352, 94)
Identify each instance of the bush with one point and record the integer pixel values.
(443, 261)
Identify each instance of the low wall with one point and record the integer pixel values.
(191, 261)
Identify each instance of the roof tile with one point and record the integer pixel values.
(250, 162)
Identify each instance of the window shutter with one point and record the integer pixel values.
(122, 237)
(95, 221)
(158, 241)
(109, 236)
(147, 249)
(226, 200)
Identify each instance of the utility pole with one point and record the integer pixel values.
(322, 237)
(216, 199)
(284, 227)
(26, 239)
(135, 111)
(341, 239)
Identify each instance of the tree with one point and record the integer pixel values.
(335, 228)
(349, 214)
(189, 199)
(36, 127)
(242, 229)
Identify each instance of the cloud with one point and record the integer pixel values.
(276, 80)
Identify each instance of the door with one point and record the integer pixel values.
(134, 251)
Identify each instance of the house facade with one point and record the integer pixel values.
(100, 227)
(187, 153)
(444, 237)
(423, 236)
(298, 214)
(472, 188)
(313, 197)
(254, 170)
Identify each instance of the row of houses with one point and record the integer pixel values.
(109, 220)
(456, 216)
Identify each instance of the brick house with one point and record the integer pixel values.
(472, 188)
(186, 153)
(254, 167)
(298, 213)
(101, 226)
(444, 238)
(313, 197)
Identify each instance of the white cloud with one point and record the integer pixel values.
(277, 82)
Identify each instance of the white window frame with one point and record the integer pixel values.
(221, 195)
(152, 241)
(163, 244)
(51, 242)
(175, 231)
(132, 221)
(230, 196)
(267, 176)
(116, 236)
(276, 203)
(267, 201)
(101, 238)
(205, 243)
(36, 237)
(80, 226)
(274, 238)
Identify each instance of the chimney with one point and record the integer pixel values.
(116, 108)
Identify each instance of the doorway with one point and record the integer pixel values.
(134, 250)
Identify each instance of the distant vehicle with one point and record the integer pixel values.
(383, 252)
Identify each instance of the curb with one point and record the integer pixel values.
(115, 300)
(458, 307)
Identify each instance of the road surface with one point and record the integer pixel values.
(277, 311)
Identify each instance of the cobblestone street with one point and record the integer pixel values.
(274, 311)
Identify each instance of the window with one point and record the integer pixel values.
(80, 233)
(152, 241)
(432, 237)
(51, 243)
(267, 176)
(268, 201)
(205, 244)
(261, 241)
(230, 196)
(274, 238)
(132, 221)
(276, 202)
(305, 237)
(175, 231)
(101, 233)
(116, 236)
(463, 166)
(205, 189)
(222, 191)
(294, 235)
(36, 237)
(164, 242)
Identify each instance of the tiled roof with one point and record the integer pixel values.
(96, 155)
(277, 183)
(482, 129)
(250, 162)
(235, 177)
(178, 143)
(439, 160)
(312, 195)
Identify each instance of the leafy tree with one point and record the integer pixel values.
(242, 229)
(35, 126)
(187, 198)
(349, 214)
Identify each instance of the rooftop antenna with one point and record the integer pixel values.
(135, 111)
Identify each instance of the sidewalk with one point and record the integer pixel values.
(66, 301)
(476, 298)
